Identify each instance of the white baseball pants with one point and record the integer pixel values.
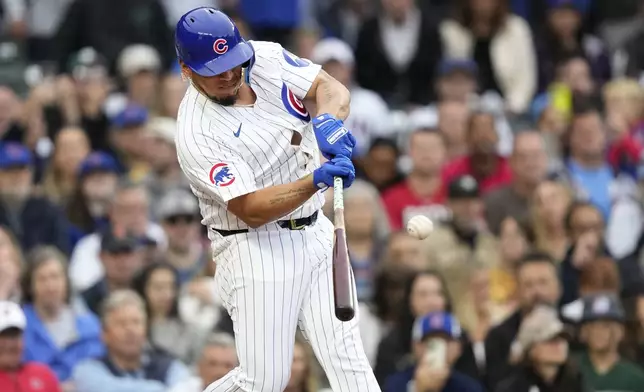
(272, 280)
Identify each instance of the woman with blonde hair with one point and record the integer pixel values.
(71, 147)
(549, 206)
(624, 103)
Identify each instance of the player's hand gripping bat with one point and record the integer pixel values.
(342, 284)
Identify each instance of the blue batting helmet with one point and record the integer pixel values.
(209, 43)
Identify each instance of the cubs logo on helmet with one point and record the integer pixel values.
(293, 104)
(220, 46)
(220, 175)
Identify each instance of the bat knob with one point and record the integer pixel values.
(345, 314)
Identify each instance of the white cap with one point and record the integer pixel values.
(137, 58)
(11, 316)
(177, 202)
(163, 128)
(330, 49)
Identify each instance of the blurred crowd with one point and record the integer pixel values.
(517, 126)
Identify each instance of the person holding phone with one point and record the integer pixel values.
(436, 347)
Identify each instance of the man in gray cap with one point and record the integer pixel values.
(602, 330)
(178, 212)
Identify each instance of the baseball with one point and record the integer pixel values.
(419, 227)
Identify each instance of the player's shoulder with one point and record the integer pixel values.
(266, 48)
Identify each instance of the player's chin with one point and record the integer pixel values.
(226, 100)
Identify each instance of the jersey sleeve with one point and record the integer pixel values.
(215, 169)
(298, 74)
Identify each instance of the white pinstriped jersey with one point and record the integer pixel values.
(229, 151)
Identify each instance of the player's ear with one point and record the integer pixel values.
(186, 73)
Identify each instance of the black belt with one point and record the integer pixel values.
(293, 224)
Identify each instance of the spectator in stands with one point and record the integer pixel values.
(159, 286)
(367, 230)
(33, 220)
(587, 168)
(529, 167)
(369, 117)
(463, 241)
(500, 43)
(303, 370)
(433, 371)
(538, 283)
(401, 74)
(128, 136)
(165, 173)
(542, 349)
(602, 330)
(17, 375)
(138, 67)
(587, 233)
(128, 210)
(452, 124)
(178, 212)
(516, 238)
(483, 161)
(88, 206)
(585, 226)
(420, 193)
(56, 334)
(122, 256)
(343, 19)
(218, 357)
(129, 365)
(624, 108)
(379, 166)
(456, 80)
(425, 292)
(139, 23)
(70, 150)
(565, 35)
(405, 251)
(173, 88)
(11, 265)
(548, 210)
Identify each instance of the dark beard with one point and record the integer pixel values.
(225, 101)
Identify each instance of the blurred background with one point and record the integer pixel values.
(517, 126)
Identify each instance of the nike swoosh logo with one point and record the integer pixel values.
(238, 131)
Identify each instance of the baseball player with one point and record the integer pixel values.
(252, 152)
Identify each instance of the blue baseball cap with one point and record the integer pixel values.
(14, 155)
(133, 115)
(98, 162)
(579, 5)
(436, 323)
(448, 66)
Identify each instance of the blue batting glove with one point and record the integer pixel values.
(339, 166)
(334, 139)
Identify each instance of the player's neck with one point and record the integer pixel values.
(246, 96)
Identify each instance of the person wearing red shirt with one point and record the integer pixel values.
(483, 161)
(420, 193)
(16, 376)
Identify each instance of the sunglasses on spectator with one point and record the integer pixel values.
(187, 219)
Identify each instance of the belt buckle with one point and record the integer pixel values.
(294, 226)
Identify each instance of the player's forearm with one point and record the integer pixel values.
(332, 97)
(268, 204)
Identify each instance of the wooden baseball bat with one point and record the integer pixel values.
(342, 284)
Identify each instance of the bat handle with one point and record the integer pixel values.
(338, 193)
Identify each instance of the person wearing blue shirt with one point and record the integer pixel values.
(129, 365)
(57, 333)
(437, 346)
(587, 167)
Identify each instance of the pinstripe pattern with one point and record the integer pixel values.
(271, 280)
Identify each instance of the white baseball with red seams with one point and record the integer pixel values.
(420, 227)
(271, 280)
